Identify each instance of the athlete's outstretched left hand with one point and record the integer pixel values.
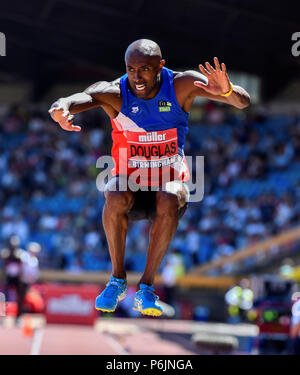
(218, 81)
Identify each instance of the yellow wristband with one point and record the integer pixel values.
(229, 92)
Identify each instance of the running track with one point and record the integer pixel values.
(106, 337)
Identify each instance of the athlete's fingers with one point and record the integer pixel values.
(203, 70)
(223, 68)
(200, 84)
(70, 127)
(57, 113)
(62, 115)
(217, 64)
(76, 128)
(61, 112)
(66, 113)
(67, 123)
(209, 67)
(54, 111)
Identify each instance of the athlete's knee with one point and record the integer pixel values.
(117, 201)
(167, 203)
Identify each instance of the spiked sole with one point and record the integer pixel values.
(150, 311)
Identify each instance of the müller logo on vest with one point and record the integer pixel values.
(152, 137)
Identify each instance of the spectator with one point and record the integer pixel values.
(12, 265)
(172, 269)
(29, 272)
(295, 329)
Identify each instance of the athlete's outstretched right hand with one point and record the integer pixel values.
(62, 115)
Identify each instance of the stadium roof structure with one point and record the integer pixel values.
(73, 40)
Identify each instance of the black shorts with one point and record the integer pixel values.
(144, 206)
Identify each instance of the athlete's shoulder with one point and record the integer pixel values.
(104, 87)
(188, 76)
(184, 84)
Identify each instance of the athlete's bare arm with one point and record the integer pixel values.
(101, 94)
(211, 83)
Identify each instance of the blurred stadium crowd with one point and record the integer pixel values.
(48, 188)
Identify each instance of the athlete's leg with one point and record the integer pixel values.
(168, 206)
(115, 223)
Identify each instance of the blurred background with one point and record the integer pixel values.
(230, 278)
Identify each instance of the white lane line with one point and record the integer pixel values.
(37, 342)
(115, 345)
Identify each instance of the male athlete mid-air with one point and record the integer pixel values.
(149, 109)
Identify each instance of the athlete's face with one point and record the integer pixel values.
(144, 74)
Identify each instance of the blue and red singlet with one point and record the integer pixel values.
(149, 135)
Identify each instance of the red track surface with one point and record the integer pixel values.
(111, 336)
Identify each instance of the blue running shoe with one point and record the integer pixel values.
(114, 292)
(145, 301)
